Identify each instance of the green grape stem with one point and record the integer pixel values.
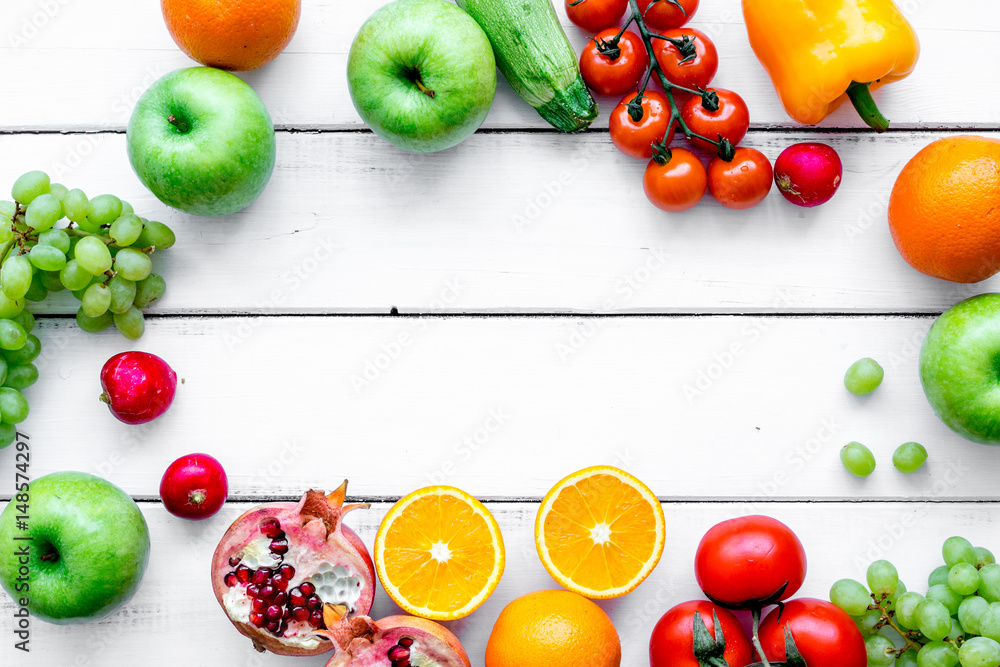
(888, 616)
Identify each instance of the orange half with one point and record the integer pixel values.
(439, 553)
(600, 532)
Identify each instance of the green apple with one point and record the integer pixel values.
(422, 74)
(202, 141)
(87, 551)
(960, 368)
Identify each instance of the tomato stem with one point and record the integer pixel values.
(756, 640)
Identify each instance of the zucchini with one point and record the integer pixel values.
(532, 51)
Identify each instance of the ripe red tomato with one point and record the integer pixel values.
(672, 643)
(743, 562)
(743, 182)
(731, 119)
(595, 15)
(695, 73)
(823, 632)
(635, 137)
(678, 184)
(607, 76)
(667, 14)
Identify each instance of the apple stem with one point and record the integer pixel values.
(422, 88)
(50, 556)
(181, 125)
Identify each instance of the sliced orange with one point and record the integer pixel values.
(439, 553)
(600, 532)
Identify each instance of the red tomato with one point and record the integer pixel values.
(672, 643)
(667, 14)
(743, 562)
(635, 137)
(607, 76)
(731, 119)
(743, 182)
(678, 184)
(823, 632)
(695, 73)
(595, 15)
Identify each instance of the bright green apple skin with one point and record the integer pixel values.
(100, 540)
(454, 59)
(960, 368)
(224, 159)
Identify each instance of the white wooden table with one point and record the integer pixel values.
(374, 312)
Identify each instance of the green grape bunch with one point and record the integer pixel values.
(955, 624)
(102, 254)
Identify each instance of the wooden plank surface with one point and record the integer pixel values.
(174, 618)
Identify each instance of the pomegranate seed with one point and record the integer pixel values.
(287, 571)
(234, 560)
(296, 598)
(273, 626)
(268, 592)
(300, 614)
(279, 582)
(231, 579)
(279, 546)
(405, 642)
(280, 598)
(253, 591)
(273, 612)
(244, 573)
(314, 603)
(398, 654)
(270, 527)
(256, 619)
(282, 628)
(258, 605)
(307, 588)
(286, 614)
(261, 576)
(316, 619)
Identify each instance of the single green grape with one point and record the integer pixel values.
(47, 258)
(881, 651)
(155, 234)
(25, 319)
(8, 434)
(882, 578)
(851, 596)
(907, 659)
(21, 377)
(74, 277)
(92, 255)
(29, 186)
(37, 291)
(863, 377)
(909, 457)
(906, 609)
(57, 238)
(989, 622)
(933, 619)
(125, 229)
(43, 213)
(970, 613)
(93, 324)
(958, 550)
(96, 300)
(866, 622)
(983, 556)
(989, 582)
(857, 459)
(963, 579)
(7, 210)
(3, 370)
(126, 207)
(10, 308)
(133, 264)
(149, 290)
(75, 205)
(979, 652)
(937, 654)
(957, 632)
(13, 406)
(123, 294)
(88, 226)
(131, 323)
(50, 279)
(26, 353)
(15, 276)
(946, 596)
(104, 209)
(938, 575)
(58, 190)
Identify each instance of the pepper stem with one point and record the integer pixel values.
(861, 98)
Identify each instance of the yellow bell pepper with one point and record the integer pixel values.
(819, 52)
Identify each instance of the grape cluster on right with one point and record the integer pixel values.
(957, 621)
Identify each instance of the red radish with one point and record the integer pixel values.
(808, 174)
(138, 386)
(194, 487)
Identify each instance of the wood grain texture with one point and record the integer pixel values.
(174, 618)
(697, 407)
(103, 54)
(512, 223)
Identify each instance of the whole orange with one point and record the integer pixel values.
(554, 628)
(233, 35)
(944, 213)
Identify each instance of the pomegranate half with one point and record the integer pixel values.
(284, 571)
(403, 641)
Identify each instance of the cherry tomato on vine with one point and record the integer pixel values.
(731, 118)
(698, 52)
(823, 632)
(744, 562)
(672, 643)
(614, 76)
(743, 182)
(667, 14)
(635, 137)
(677, 184)
(595, 15)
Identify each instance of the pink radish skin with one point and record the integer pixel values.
(808, 174)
